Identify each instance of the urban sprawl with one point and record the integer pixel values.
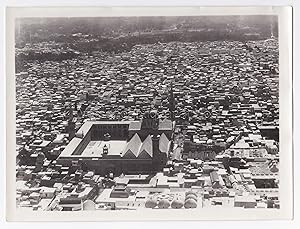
(177, 125)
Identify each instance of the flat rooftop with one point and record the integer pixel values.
(104, 197)
(95, 148)
(88, 125)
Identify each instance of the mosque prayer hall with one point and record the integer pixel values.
(128, 147)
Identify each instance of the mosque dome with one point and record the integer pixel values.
(88, 205)
(151, 203)
(146, 114)
(41, 156)
(190, 192)
(163, 203)
(177, 203)
(190, 203)
(191, 196)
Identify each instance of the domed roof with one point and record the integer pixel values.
(79, 135)
(190, 192)
(151, 203)
(191, 196)
(177, 203)
(89, 205)
(41, 155)
(146, 114)
(163, 203)
(194, 171)
(190, 203)
(274, 169)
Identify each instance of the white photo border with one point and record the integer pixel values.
(285, 104)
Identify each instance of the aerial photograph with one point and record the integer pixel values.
(136, 113)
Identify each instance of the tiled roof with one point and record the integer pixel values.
(136, 148)
(133, 147)
(146, 149)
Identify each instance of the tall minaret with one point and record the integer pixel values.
(171, 102)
